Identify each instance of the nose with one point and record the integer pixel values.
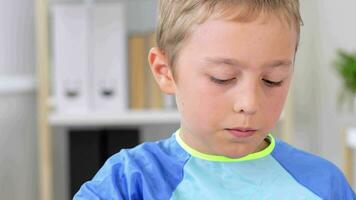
(247, 99)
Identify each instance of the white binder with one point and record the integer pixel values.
(109, 58)
(70, 58)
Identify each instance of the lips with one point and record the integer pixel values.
(242, 132)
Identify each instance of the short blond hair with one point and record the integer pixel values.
(177, 18)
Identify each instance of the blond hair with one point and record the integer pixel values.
(177, 17)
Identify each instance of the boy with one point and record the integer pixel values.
(229, 64)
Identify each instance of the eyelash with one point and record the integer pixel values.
(272, 84)
(225, 82)
(221, 82)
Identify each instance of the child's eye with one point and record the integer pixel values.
(220, 81)
(272, 83)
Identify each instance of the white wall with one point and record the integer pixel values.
(305, 82)
(329, 25)
(337, 30)
(18, 149)
(18, 159)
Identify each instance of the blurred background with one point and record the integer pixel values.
(54, 130)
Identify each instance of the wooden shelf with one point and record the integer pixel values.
(143, 117)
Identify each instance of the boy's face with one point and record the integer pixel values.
(233, 75)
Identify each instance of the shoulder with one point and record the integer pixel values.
(316, 173)
(129, 173)
(149, 157)
(149, 154)
(288, 154)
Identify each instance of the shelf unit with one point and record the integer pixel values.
(131, 118)
(47, 118)
(45, 159)
(17, 84)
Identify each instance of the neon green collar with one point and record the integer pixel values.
(209, 157)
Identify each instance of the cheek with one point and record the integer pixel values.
(200, 104)
(274, 106)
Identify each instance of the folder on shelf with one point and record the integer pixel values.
(70, 58)
(137, 71)
(109, 58)
(90, 60)
(153, 93)
(144, 91)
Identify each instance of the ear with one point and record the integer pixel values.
(161, 70)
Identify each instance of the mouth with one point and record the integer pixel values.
(242, 132)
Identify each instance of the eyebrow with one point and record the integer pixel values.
(236, 63)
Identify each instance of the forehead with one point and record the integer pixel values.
(263, 40)
(233, 63)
